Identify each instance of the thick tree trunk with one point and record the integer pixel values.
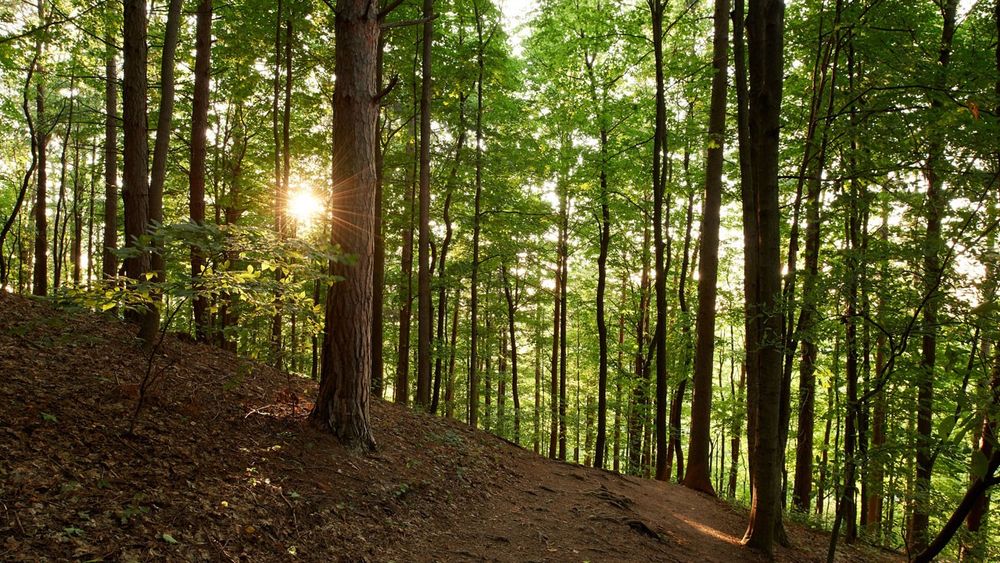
(135, 189)
(766, 33)
(343, 401)
(698, 474)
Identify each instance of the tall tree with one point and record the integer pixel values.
(109, 263)
(931, 276)
(40, 274)
(657, 8)
(342, 404)
(135, 187)
(765, 22)
(199, 131)
(424, 343)
(698, 474)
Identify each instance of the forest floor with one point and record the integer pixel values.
(222, 465)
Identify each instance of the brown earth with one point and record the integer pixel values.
(222, 466)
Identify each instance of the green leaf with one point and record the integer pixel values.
(49, 417)
(169, 539)
(71, 531)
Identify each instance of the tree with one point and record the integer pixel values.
(698, 472)
(345, 381)
(135, 187)
(424, 343)
(765, 24)
(199, 131)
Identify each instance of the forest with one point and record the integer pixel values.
(746, 246)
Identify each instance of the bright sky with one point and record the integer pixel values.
(516, 13)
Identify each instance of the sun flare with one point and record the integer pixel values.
(304, 207)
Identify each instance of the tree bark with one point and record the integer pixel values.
(343, 401)
(698, 474)
(657, 8)
(476, 218)
(765, 23)
(933, 245)
(158, 172)
(424, 328)
(109, 263)
(40, 273)
(196, 175)
(135, 188)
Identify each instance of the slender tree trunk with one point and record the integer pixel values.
(476, 218)
(449, 393)
(597, 98)
(378, 268)
(343, 401)
(511, 298)
(40, 273)
(196, 175)
(445, 244)
(563, 315)
(402, 384)
(556, 315)
(657, 8)
(158, 171)
(638, 416)
(59, 236)
(698, 474)
(424, 328)
(76, 240)
(109, 263)
(933, 245)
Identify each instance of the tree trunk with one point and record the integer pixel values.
(161, 143)
(766, 24)
(401, 391)
(511, 298)
(449, 393)
(476, 218)
(196, 175)
(40, 273)
(109, 263)
(933, 245)
(657, 8)
(442, 305)
(698, 474)
(378, 267)
(343, 401)
(135, 189)
(424, 328)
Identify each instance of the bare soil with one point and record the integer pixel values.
(222, 465)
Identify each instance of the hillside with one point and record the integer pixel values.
(222, 466)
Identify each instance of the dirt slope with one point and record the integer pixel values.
(222, 466)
